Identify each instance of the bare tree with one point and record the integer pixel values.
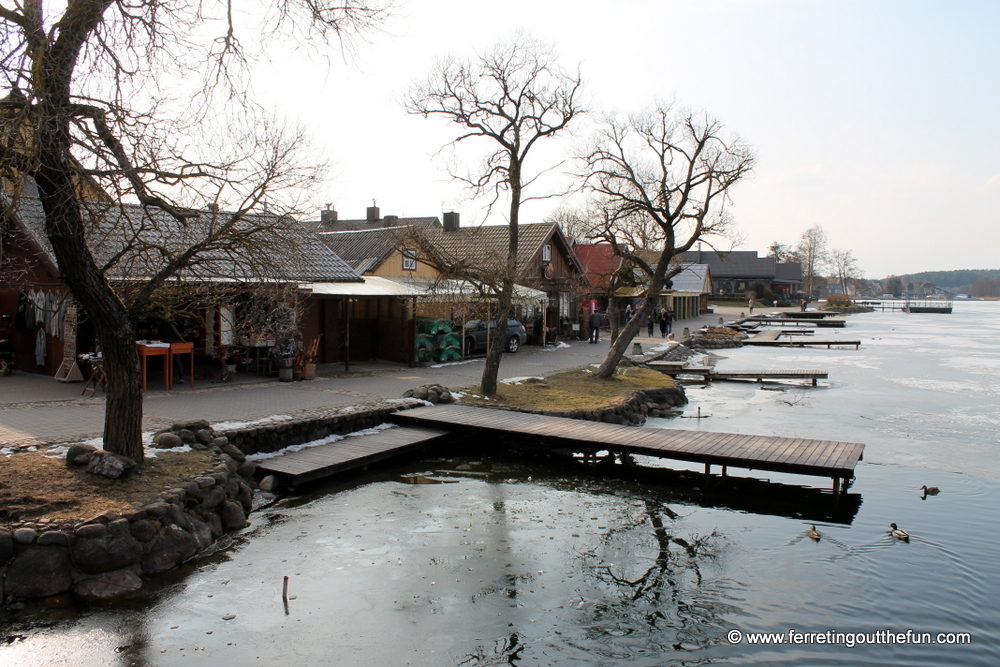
(781, 252)
(512, 97)
(812, 254)
(845, 268)
(85, 119)
(669, 168)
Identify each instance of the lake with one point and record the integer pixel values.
(501, 560)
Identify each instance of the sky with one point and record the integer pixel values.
(878, 121)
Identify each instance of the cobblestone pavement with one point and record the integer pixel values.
(36, 409)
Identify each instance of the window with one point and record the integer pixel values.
(409, 260)
(547, 252)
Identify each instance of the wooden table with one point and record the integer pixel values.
(182, 348)
(155, 351)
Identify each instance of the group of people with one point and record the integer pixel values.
(665, 318)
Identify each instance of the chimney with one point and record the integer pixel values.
(373, 214)
(450, 221)
(390, 221)
(328, 216)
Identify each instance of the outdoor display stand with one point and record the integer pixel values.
(68, 370)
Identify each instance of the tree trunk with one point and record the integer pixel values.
(620, 345)
(498, 341)
(65, 227)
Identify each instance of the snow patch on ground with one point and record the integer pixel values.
(229, 426)
(316, 443)
(456, 363)
(519, 380)
(559, 346)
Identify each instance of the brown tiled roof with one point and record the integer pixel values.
(288, 251)
(365, 249)
(486, 246)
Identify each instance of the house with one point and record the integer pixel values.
(132, 242)
(545, 261)
(734, 273)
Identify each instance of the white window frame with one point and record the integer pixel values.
(409, 260)
(547, 252)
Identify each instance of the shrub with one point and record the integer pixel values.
(838, 300)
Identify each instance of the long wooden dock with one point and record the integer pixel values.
(675, 368)
(829, 322)
(312, 463)
(773, 338)
(824, 458)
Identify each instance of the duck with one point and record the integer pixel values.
(899, 533)
(930, 490)
(814, 534)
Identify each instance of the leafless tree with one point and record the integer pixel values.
(845, 268)
(812, 254)
(510, 97)
(673, 169)
(86, 119)
(781, 252)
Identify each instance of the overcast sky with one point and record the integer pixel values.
(879, 121)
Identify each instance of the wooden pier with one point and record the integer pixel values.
(312, 463)
(773, 338)
(823, 458)
(828, 322)
(675, 368)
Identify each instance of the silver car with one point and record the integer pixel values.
(476, 335)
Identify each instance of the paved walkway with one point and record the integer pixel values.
(36, 409)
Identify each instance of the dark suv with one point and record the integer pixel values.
(475, 335)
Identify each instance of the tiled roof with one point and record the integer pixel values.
(427, 222)
(365, 249)
(600, 262)
(285, 250)
(486, 246)
(735, 264)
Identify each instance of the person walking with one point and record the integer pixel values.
(628, 313)
(663, 322)
(595, 327)
(670, 320)
(751, 306)
(650, 322)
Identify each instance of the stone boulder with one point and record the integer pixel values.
(79, 455)
(38, 572)
(109, 465)
(167, 440)
(168, 549)
(232, 516)
(107, 586)
(6, 546)
(105, 554)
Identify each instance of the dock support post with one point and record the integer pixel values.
(724, 470)
(708, 468)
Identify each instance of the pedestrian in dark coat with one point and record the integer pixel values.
(670, 320)
(650, 321)
(595, 327)
(663, 322)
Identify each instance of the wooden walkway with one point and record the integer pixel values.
(675, 368)
(312, 463)
(830, 322)
(772, 338)
(824, 458)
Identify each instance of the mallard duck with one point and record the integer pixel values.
(814, 534)
(898, 532)
(930, 490)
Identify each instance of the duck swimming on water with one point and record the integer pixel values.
(814, 534)
(930, 490)
(899, 533)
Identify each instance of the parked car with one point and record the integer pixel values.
(476, 335)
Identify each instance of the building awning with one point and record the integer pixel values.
(424, 288)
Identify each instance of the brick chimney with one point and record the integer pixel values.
(328, 216)
(390, 221)
(373, 213)
(451, 221)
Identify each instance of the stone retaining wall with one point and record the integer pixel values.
(109, 554)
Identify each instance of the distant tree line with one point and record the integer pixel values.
(962, 281)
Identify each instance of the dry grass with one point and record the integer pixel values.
(573, 390)
(33, 486)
